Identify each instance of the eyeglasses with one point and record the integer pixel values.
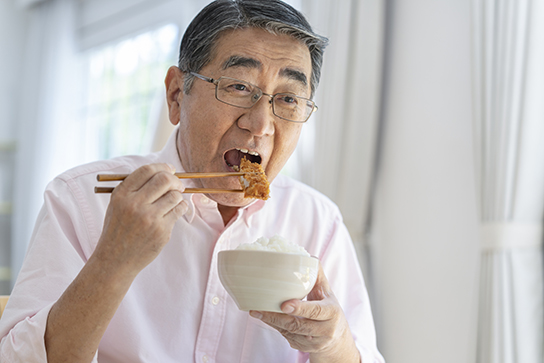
(242, 94)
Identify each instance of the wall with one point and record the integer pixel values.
(425, 236)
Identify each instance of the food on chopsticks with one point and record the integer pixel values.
(254, 181)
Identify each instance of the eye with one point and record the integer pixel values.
(238, 88)
(288, 100)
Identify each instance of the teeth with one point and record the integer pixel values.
(246, 151)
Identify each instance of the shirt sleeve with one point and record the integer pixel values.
(54, 258)
(343, 271)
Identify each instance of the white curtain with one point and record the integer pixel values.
(340, 138)
(509, 118)
(44, 109)
(51, 136)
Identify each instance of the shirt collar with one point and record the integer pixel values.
(250, 209)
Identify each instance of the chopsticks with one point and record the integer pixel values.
(118, 177)
(101, 190)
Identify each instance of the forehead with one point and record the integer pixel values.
(254, 48)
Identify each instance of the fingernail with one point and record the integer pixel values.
(172, 168)
(288, 309)
(256, 314)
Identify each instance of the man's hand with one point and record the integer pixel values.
(138, 223)
(140, 217)
(317, 326)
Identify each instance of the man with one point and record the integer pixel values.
(134, 278)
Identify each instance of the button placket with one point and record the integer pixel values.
(213, 315)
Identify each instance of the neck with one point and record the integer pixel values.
(227, 212)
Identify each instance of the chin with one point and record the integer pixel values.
(230, 200)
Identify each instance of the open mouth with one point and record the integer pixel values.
(234, 156)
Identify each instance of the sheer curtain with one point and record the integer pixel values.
(509, 114)
(51, 136)
(341, 136)
(44, 108)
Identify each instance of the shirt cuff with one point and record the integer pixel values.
(25, 341)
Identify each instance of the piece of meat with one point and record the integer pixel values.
(254, 183)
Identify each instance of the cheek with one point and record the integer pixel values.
(289, 139)
(201, 122)
(194, 137)
(285, 143)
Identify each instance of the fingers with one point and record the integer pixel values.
(140, 217)
(152, 182)
(292, 324)
(302, 334)
(179, 210)
(156, 185)
(169, 201)
(305, 343)
(309, 318)
(311, 325)
(143, 174)
(160, 184)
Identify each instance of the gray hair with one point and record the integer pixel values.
(274, 16)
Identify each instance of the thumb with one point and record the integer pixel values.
(321, 289)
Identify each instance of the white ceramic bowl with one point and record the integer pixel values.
(261, 280)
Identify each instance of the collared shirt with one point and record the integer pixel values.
(176, 310)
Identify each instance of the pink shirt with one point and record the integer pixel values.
(177, 310)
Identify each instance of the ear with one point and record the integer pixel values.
(174, 93)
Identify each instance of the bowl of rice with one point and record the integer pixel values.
(263, 274)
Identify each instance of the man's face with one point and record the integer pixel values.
(211, 133)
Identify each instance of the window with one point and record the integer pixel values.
(123, 83)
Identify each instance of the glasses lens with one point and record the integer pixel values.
(292, 108)
(236, 92)
(242, 94)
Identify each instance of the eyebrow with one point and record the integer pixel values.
(295, 75)
(241, 61)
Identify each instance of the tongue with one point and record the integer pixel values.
(233, 157)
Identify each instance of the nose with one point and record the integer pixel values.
(259, 119)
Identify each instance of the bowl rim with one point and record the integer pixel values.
(262, 252)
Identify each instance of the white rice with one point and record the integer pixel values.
(274, 244)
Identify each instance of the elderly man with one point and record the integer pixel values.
(134, 278)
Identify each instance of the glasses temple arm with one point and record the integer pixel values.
(204, 78)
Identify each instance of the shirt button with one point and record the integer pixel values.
(204, 199)
(215, 300)
(205, 358)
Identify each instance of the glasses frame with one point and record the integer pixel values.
(272, 97)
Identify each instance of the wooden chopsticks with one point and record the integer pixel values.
(118, 177)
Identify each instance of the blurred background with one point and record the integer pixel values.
(429, 136)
